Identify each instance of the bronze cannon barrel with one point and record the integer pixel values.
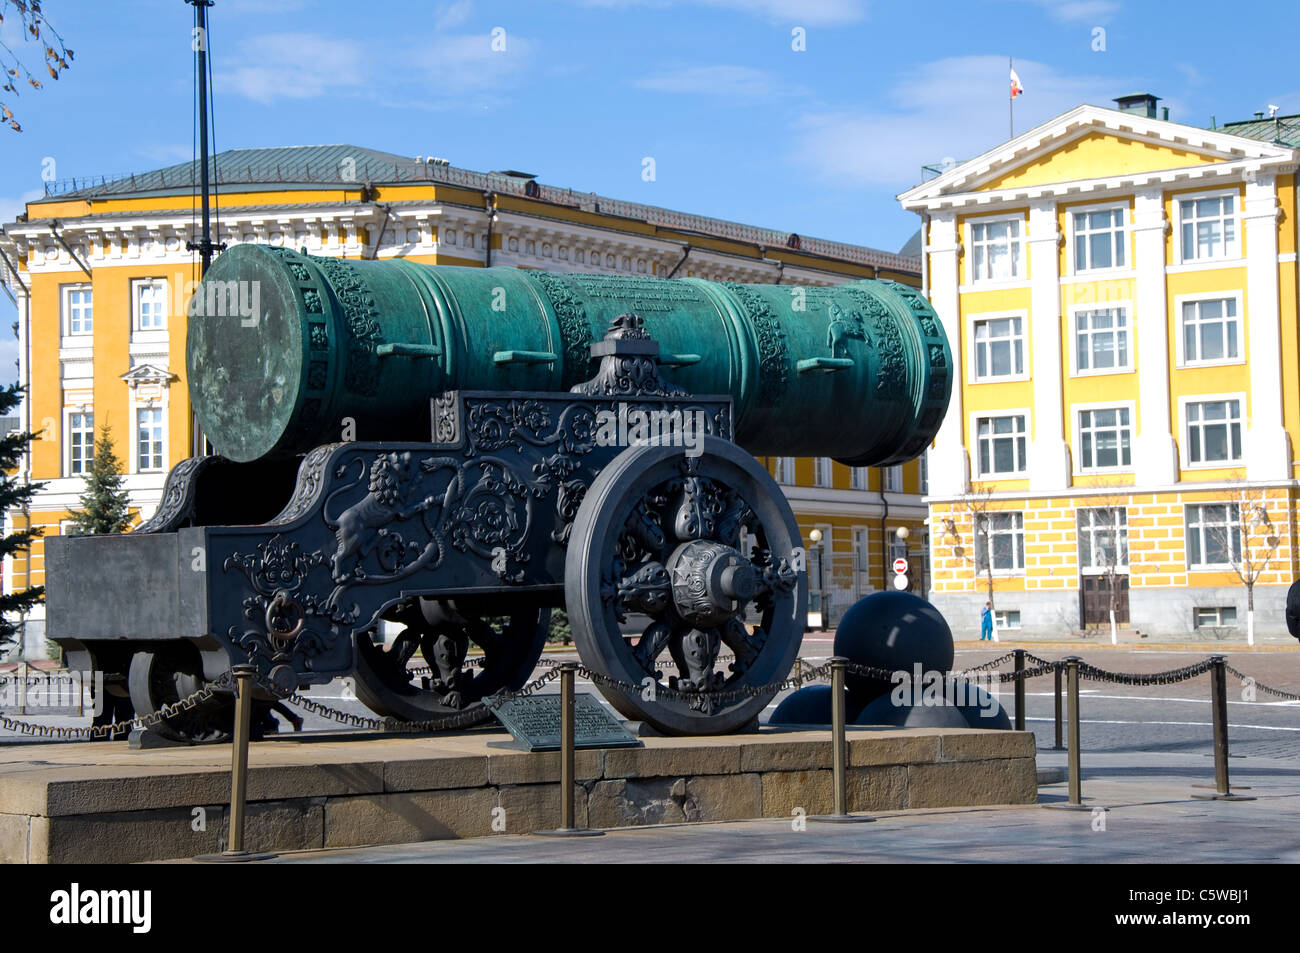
(287, 351)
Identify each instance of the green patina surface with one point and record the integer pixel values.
(288, 351)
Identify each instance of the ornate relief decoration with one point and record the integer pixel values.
(773, 351)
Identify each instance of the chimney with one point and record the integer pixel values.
(1143, 104)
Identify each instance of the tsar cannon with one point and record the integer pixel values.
(459, 451)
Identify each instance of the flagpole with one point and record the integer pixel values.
(1011, 102)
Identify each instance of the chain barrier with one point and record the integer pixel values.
(984, 667)
(1094, 674)
(1289, 696)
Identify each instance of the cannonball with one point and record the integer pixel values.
(895, 631)
(810, 705)
(948, 704)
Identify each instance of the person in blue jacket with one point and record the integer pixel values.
(986, 623)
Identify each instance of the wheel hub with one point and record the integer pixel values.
(711, 582)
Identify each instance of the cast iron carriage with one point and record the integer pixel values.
(459, 451)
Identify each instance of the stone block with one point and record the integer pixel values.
(983, 745)
(127, 837)
(673, 760)
(408, 816)
(541, 767)
(878, 788)
(891, 747)
(783, 791)
(14, 830)
(536, 807)
(723, 797)
(436, 774)
(966, 783)
(803, 755)
(631, 803)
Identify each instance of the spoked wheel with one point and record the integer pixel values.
(693, 543)
(165, 676)
(441, 631)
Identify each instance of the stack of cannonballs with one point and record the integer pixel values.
(906, 636)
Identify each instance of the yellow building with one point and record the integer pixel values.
(1122, 291)
(101, 276)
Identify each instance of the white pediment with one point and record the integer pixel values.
(148, 374)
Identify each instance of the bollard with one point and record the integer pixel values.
(1219, 707)
(839, 751)
(244, 675)
(1057, 672)
(568, 768)
(1020, 689)
(1075, 802)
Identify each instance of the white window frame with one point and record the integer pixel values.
(1003, 617)
(978, 415)
(75, 338)
(1071, 245)
(1021, 262)
(1078, 410)
(161, 407)
(783, 471)
(861, 554)
(858, 478)
(139, 333)
(1180, 345)
(68, 414)
(1085, 565)
(1187, 529)
(1231, 255)
(972, 322)
(923, 467)
(823, 473)
(897, 549)
(1218, 614)
(1184, 443)
(1017, 549)
(1124, 305)
(891, 479)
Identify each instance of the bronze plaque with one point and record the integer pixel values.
(535, 722)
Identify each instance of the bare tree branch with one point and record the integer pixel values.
(36, 30)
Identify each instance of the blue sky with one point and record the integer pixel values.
(740, 124)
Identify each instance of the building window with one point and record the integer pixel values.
(897, 547)
(1213, 535)
(81, 443)
(1001, 539)
(861, 558)
(1099, 239)
(1214, 617)
(1213, 431)
(150, 304)
(1104, 437)
(1007, 618)
(925, 472)
(1211, 331)
(995, 250)
(999, 348)
(857, 478)
(149, 439)
(1101, 340)
(78, 311)
(1209, 228)
(785, 470)
(893, 479)
(1103, 537)
(1001, 445)
(822, 471)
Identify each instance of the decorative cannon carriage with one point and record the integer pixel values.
(459, 451)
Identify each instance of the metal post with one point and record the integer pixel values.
(839, 749)
(244, 675)
(1219, 710)
(568, 763)
(1072, 685)
(567, 672)
(839, 665)
(1020, 689)
(1059, 746)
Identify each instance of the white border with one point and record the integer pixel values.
(968, 259)
(972, 319)
(1124, 567)
(1183, 401)
(1187, 547)
(1099, 274)
(1180, 359)
(150, 335)
(1178, 198)
(975, 417)
(1072, 330)
(1077, 436)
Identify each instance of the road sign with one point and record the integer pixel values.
(900, 565)
(900, 581)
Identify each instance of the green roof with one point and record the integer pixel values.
(1280, 130)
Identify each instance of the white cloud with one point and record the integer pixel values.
(293, 66)
(11, 207)
(1078, 11)
(794, 12)
(952, 107)
(726, 82)
(449, 15)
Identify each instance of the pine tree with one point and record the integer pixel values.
(15, 495)
(105, 506)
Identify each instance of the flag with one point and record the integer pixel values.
(1016, 88)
